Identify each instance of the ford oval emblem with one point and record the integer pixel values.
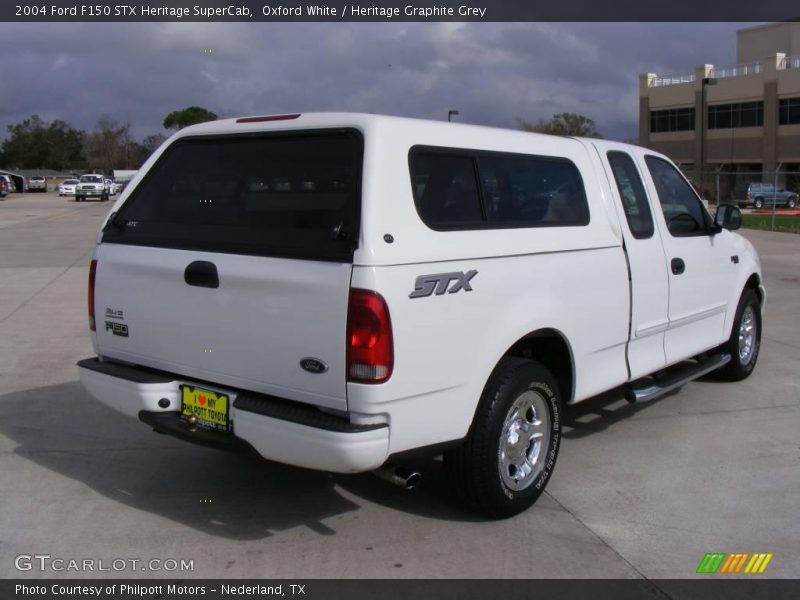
(313, 365)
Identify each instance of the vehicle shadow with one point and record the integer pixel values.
(230, 495)
(603, 411)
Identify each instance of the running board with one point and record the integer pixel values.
(651, 388)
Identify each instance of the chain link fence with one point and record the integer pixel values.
(751, 189)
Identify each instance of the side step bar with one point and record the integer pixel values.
(650, 388)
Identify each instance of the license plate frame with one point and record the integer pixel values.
(205, 406)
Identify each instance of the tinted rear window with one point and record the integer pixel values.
(284, 195)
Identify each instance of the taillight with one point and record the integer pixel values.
(92, 273)
(370, 354)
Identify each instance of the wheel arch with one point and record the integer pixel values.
(551, 349)
(754, 283)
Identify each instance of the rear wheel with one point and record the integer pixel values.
(745, 341)
(509, 454)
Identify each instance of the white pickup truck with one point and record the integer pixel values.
(91, 185)
(340, 291)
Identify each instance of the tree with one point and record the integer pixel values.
(36, 144)
(110, 146)
(178, 119)
(563, 124)
(152, 142)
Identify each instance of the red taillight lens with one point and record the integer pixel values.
(370, 353)
(92, 273)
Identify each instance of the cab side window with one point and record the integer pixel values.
(683, 211)
(631, 191)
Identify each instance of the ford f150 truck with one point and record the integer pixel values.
(338, 291)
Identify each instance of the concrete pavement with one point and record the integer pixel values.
(639, 491)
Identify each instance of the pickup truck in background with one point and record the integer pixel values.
(342, 291)
(37, 183)
(91, 185)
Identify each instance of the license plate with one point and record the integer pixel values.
(209, 408)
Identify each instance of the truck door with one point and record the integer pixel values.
(698, 260)
(646, 262)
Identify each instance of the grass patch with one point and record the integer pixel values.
(785, 223)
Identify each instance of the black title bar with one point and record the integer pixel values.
(710, 587)
(400, 10)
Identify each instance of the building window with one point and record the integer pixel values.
(673, 119)
(789, 111)
(740, 114)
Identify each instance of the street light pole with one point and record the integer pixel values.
(706, 81)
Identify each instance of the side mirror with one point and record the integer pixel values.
(728, 217)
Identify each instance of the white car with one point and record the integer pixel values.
(112, 186)
(67, 188)
(396, 287)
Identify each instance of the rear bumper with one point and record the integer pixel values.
(279, 430)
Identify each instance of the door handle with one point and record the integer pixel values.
(678, 266)
(201, 273)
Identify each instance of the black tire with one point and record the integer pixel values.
(77, 198)
(475, 468)
(743, 361)
(758, 203)
(792, 202)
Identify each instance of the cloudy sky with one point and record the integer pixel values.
(493, 73)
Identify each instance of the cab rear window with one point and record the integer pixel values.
(289, 195)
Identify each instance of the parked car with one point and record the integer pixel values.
(91, 185)
(37, 183)
(67, 188)
(759, 195)
(111, 186)
(5, 186)
(439, 288)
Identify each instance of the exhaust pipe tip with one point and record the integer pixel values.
(399, 476)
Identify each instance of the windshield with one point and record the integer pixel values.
(70, 181)
(293, 195)
(91, 179)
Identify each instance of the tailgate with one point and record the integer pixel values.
(251, 332)
(231, 262)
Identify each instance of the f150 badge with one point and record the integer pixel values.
(425, 285)
(119, 329)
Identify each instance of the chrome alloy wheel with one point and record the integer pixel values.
(524, 440)
(747, 335)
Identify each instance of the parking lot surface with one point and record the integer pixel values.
(639, 491)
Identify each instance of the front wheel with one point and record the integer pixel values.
(509, 454)
(745, 341)
(758, 203)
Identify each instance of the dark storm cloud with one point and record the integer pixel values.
(492, 73)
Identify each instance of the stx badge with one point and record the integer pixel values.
(425, 285)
